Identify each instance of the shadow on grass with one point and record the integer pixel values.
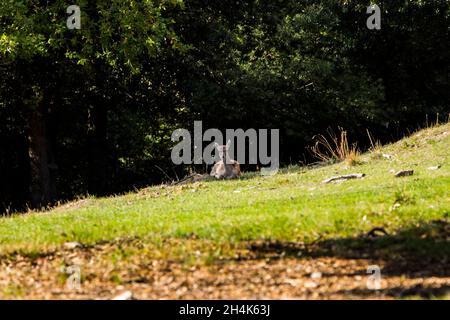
(419, 291)
(417, 252)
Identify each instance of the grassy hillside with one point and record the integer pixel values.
(292, 205)
(205, 222)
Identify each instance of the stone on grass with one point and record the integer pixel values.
(345, 177)
(404, 173)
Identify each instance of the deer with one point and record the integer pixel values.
(225, 168)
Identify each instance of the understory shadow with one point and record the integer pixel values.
(419, 290)
(420, 251)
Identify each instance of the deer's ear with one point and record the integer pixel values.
(228, 143)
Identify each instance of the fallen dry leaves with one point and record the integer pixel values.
(262, 276)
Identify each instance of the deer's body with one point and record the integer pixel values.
(225, 168)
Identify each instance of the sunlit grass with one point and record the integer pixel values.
(293, 205)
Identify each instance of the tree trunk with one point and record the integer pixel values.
(42, 186)
(97, 146)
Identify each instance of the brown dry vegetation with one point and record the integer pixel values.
(261, 270)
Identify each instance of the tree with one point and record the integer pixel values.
(115, 37)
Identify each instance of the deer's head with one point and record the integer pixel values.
(223, 150)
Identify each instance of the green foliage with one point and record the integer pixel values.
(117, 33)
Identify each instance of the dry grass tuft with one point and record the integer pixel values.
(335, 148)
(375, 147)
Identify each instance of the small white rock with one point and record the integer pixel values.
(433, 168)
(310, 285)
(292, 282)
(127, 295)
(395, 206)
(72, 245)
(316, 275)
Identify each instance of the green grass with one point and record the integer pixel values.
(293, 205)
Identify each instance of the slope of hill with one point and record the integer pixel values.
(289, 235)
